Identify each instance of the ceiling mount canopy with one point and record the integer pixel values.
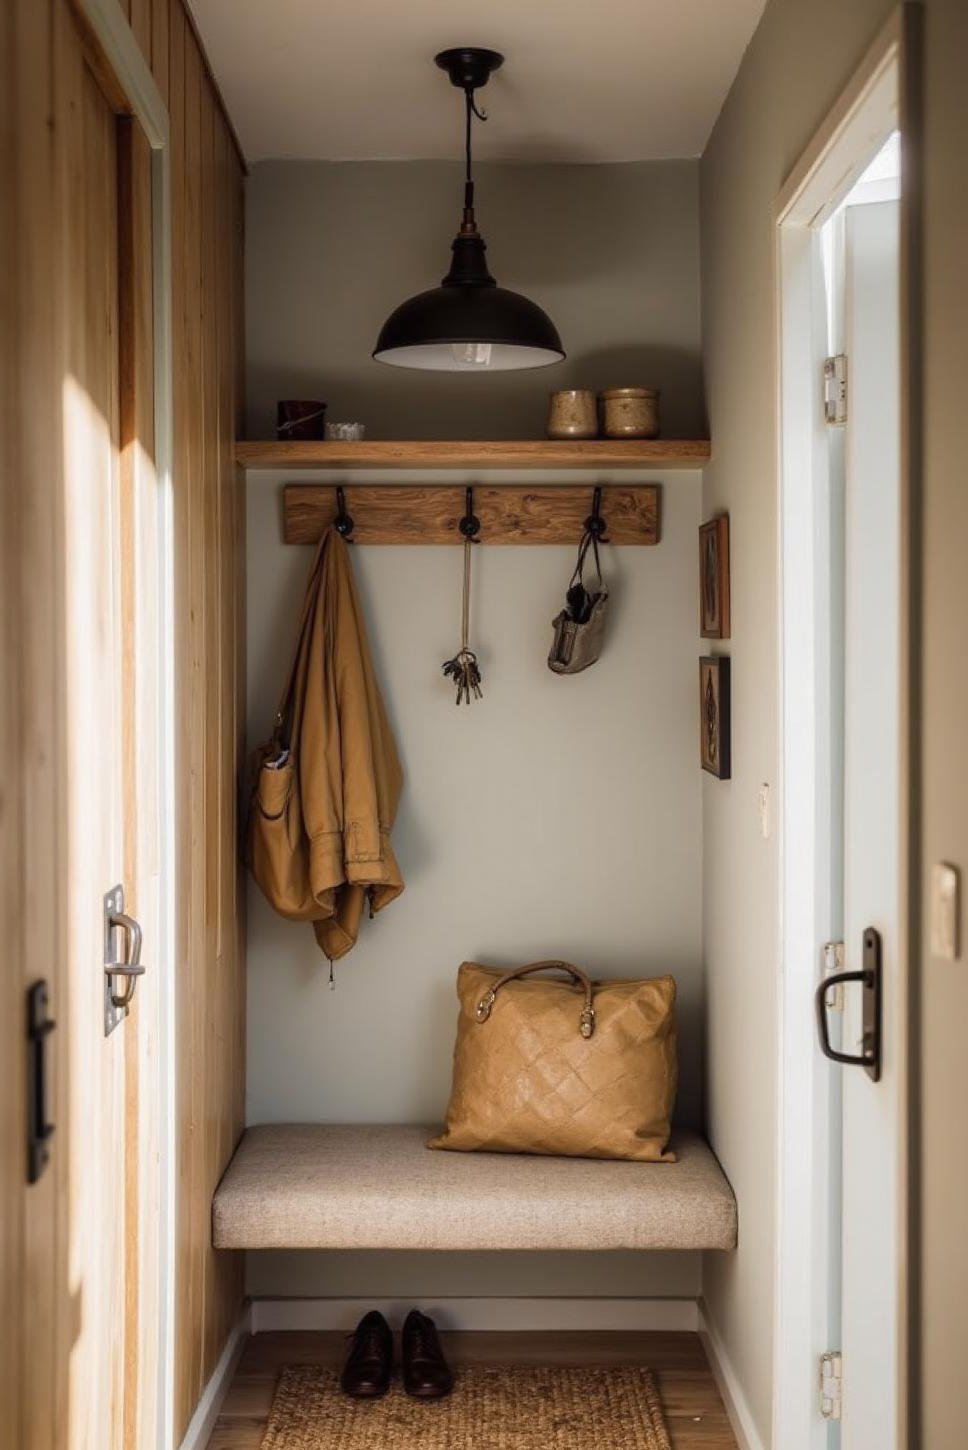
(469, 323)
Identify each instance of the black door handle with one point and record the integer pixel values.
(869, 1057)
(39, 1130)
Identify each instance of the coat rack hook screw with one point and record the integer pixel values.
(470, 524)
(595, 524)
(343, 521)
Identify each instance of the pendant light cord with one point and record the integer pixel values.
(468, 169)
(471, 109)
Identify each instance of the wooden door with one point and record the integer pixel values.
(79, 729)
(96, 1105)
(114, 1075)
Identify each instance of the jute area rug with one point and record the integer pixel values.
(490, 1409)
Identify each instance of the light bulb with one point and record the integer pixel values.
(471, 354)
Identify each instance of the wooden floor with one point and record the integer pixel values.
(697, 1420)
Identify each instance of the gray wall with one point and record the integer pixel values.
(789, 78)
(556, 816)
(612, 252)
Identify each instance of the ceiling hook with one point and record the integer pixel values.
(595, 524)
(470, 524)
(343, 523)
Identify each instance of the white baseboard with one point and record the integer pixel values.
(207, 1410)
(482, 1313)
(744, 1428)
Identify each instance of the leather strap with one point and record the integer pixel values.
(578, 577)
(586, 1017)
(284, 715)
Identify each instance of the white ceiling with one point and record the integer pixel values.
(584, 80)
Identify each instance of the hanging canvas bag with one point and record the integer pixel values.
(580, 627)
(574, 1068)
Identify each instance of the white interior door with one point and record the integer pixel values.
(872, 1230)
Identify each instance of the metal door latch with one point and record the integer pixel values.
(869, 1057)
(833, 964)
(121, 973)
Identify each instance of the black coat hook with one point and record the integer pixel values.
(343, 523)
(595, 524)
(470, 524)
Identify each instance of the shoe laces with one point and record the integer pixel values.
(423, 1337)
(368, 1342)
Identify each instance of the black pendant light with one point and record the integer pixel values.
(469, 323)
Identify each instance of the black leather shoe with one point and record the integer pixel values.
(369, 1364)
(425, 1371)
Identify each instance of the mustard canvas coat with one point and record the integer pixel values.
(327, 784)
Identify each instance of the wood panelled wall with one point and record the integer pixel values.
(207, 177)
(208, 346)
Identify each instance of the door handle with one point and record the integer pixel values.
(121, 973)
(39, 1130)
(869, 1058)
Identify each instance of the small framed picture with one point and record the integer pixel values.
(714, 715)
(714, 578)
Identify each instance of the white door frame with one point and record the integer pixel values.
(878, 100)
(114, 39)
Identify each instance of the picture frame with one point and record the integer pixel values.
(714, 578)
(715, 745)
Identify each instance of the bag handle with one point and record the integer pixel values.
(586, 1017)
(587, 538)
(282, 731)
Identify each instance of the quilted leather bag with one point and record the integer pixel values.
(575, 1068)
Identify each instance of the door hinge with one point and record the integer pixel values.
(835, 389)
(833, 961)
(832, 1384)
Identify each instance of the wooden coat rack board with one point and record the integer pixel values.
(509, 514)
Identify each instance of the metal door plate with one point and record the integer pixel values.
(871, 1020)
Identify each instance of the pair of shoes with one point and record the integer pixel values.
(369, 1365)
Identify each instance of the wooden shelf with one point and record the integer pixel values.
(542, 453)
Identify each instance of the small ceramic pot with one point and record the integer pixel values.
(630, 412)
(345, 432)
(572, 414)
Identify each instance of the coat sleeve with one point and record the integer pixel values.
(371, 772)
(353, 777)
(320, 780)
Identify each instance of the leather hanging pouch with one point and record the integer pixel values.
(579, 630)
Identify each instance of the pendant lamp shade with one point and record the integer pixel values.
(469, 323)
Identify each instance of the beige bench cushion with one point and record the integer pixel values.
(309, 1186)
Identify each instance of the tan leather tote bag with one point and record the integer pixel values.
(578, 1069)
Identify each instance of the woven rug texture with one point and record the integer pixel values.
(491, 1408)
